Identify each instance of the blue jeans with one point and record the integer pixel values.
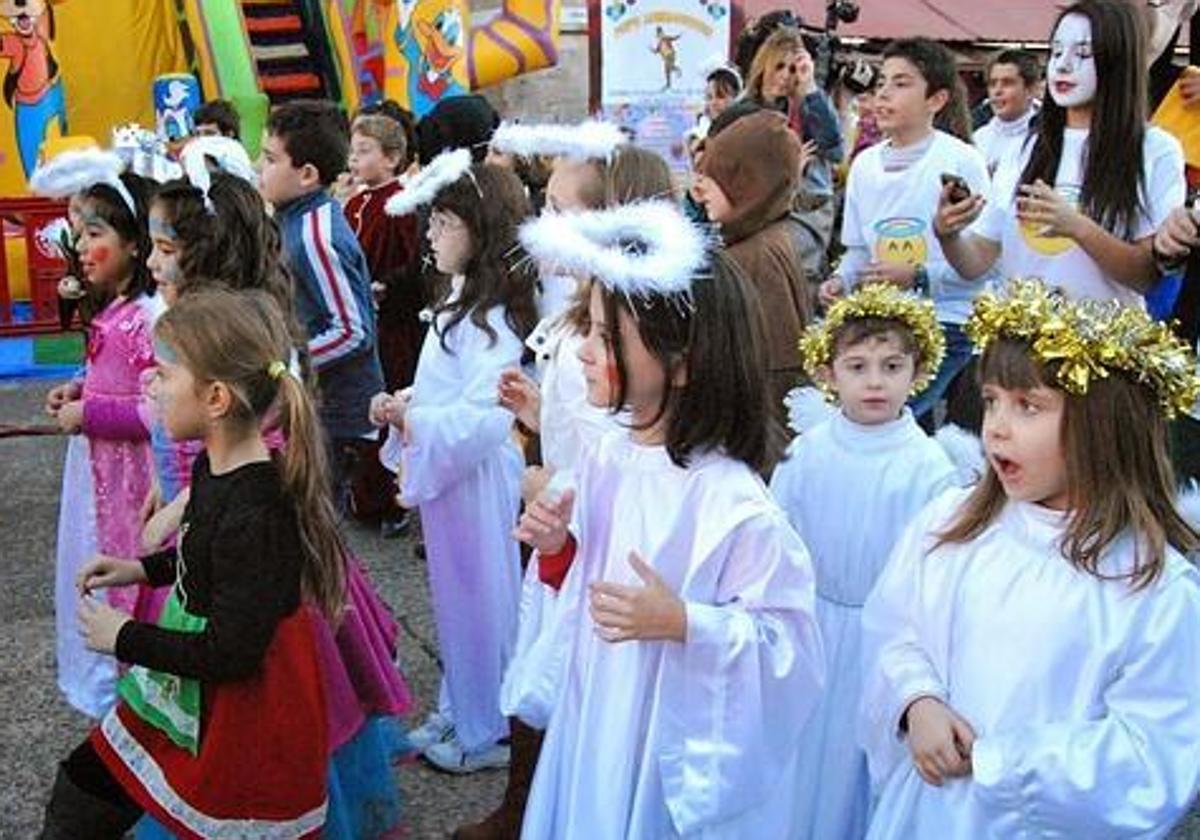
(958, 353)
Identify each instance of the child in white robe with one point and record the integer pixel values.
(1033, 646)
(684, 652)
(595, 165)
(451, 445)
(850, 486)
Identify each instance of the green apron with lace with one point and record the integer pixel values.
(168, 702)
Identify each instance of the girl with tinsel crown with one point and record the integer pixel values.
(1032, 649)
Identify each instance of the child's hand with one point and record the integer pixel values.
(951, 217)
(939, 739)
(377, 413)
(164, 522)
(104, 571)
(533, 482)
(1178, 235)
(99, 624)
(901, 275)
(831, 290)
(646, 613)
(520, 395)
(60, 395)
(1040, 205)
(70, 417)
(389, 409)
(152, 504)
(544, 523)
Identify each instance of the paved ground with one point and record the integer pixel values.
(37, 728)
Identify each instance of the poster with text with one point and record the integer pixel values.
(654, 57)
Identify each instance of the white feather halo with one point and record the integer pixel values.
(668, 251)
(423, 187)
(588, 140)
(74, 171)
(227, 154)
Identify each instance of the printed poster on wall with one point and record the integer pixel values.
(654, 57)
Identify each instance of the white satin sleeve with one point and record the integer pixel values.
(898, 663)
(1129, 767)
(448, 435)
(545, 634)
(737, 693)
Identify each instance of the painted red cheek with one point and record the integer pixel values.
(610, 372)
(100, 254)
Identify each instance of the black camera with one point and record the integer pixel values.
(840, 11)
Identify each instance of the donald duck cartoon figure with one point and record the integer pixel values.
(32, 86)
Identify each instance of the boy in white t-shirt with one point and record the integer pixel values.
(887, 227)
(1078, 208)
(1012, 81)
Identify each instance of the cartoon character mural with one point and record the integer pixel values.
(32, 84)
(432, 39)
(436, 52)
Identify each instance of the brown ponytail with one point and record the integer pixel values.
(241, 340)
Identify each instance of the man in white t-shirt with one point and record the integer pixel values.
(1013, 79)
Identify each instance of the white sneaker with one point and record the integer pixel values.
(434, 730)
(450, 757)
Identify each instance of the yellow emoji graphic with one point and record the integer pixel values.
(901, 241)
(1050, 246)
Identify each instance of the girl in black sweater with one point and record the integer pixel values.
(221, 726)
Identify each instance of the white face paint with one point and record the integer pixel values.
(1071, 71)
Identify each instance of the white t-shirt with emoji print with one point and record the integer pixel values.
(889, 218)
(1059, 260)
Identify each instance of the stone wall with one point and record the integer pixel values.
(559, 94)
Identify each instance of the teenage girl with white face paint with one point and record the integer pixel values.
(1075, 206)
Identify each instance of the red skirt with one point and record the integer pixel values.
(263, 757)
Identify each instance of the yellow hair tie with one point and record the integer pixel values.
(276, 370)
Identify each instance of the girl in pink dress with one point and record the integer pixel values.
(101, 507)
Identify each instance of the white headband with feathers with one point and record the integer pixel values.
(424, 187)
(644, 248)
(227, 154)
(74, 171)
(588, 140)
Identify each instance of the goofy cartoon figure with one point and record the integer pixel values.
(32, 86)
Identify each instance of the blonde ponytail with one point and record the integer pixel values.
(306, 479)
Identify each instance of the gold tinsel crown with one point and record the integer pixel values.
(1089, 339)
(886, 302)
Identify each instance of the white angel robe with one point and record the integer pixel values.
(458, 462)
(86, 678)
(1084, 695)
(850, 491)
(662, 739)
(569, 424)
(568, 421)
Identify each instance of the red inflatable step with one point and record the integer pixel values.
(290, 83)
(278, 25)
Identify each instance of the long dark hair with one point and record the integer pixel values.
(1119, 478)
(237, 244)
(132, 227)
(1112, 168)
(717, 338)
(492, 203)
